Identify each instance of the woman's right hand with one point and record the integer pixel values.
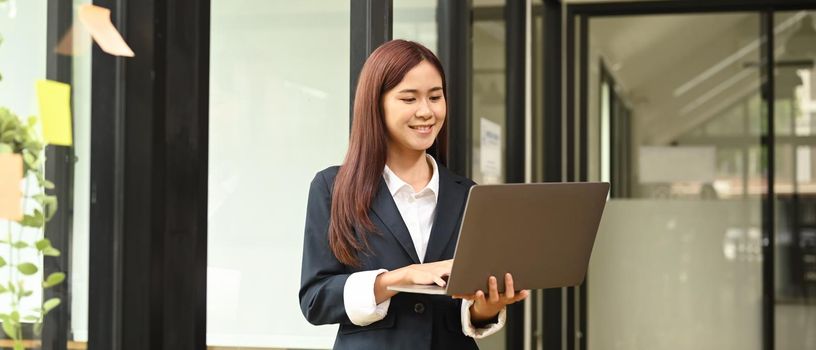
(430, 273)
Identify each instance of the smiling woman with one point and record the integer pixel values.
(389, 214)
(417, 102)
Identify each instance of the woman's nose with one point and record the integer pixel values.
(424, 110)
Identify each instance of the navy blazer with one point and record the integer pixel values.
(414, 321)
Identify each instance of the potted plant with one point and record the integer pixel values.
(22, 242)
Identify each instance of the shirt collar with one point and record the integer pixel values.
(395, 184)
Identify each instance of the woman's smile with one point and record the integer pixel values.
(425, 129)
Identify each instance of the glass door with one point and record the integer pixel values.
(674, 121)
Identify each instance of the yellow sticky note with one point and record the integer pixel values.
(97, 20)
(55, 111)
(11, 173)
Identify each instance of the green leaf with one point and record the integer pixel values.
(5, 148)
(8, 136)
(20, 245)
(2, 263)
(48, 203)
(42, 244)
(29, 159)
(3, 289)
(15, 316)
(27, 269)
(50, 304)
(18, 345)
(48, 185)
(54, 279)
(38, 328)
(12, 288)
(37, 220)
(31, 318)
(28, 293)
(10, 330)
(51, 252)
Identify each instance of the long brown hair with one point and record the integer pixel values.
(359, 177)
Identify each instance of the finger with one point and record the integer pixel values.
(480, 297)
(439, 281)
(494, 290)
(521, 295)
(509, 292)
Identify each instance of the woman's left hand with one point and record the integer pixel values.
(487, 307)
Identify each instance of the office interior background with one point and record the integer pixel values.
(183, 197)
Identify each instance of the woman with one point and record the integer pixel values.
(389, 216)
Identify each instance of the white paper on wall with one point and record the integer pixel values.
(659, 164)
(490, 145)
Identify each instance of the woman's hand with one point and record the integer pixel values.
(485, 308)
(430, 273)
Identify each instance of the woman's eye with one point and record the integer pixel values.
(408, 100)
(436, 98)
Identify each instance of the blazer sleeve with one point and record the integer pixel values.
(322, 276)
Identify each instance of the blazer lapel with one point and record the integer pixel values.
(449, 208)
(384, 207)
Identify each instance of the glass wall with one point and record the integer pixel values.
(795, 181)
(24, 52)
(489, 82)
(81, 87)
(674, 124)
(279, 102)
(23, 27)
(415, 20)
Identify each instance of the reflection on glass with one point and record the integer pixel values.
(795, 182)
(80, 255)
(675, 115)
(488, 101)
(279, 107)
(415, 20)
(24, 27)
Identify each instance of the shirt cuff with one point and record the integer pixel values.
(359, 300)
(478, 333)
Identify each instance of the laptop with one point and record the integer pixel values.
(541, 233)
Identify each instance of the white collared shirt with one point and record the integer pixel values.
(418, 211)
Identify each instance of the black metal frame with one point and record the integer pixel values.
(59, 167)
(769, 199)
(371, 26)
(515, 15)
(149, 179)
(552, 327)
(583, 12)
(454, 51)
(106, 211)
(552, 300)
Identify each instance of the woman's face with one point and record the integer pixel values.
(415, 109)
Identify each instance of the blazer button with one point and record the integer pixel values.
(419, 308)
